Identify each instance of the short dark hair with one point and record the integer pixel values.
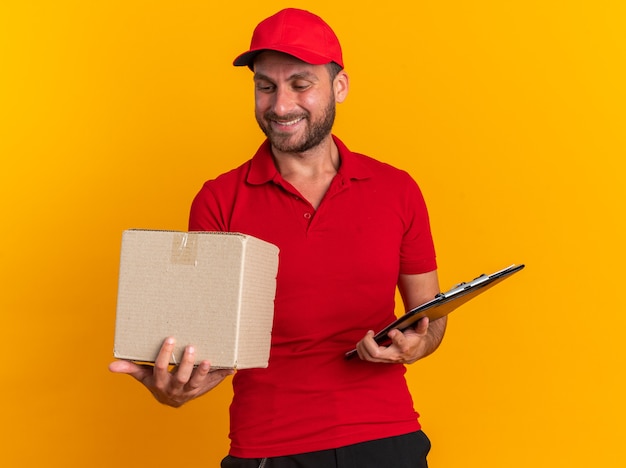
(333, 70)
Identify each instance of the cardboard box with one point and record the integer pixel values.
(213, 290)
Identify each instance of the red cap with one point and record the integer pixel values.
(295, 32)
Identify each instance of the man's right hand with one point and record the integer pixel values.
(176, 387)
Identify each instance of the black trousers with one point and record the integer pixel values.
(405, 451)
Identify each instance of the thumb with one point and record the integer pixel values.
(130, 368)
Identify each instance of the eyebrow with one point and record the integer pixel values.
(296, 76)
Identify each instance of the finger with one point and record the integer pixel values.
(360, 347)
(122, 367)
(402, 343)
(410, 344)
(397, 338)
(368, 349)
(218, 375)
(186, 367)
(162, 362)
(199, 375)
(204, 378)
(130, 368)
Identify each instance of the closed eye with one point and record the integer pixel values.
(265, 87)
(301, 86)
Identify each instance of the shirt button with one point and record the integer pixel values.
(307, 215)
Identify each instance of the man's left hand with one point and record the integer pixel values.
(406, 347)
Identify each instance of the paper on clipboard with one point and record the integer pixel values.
(444, 303)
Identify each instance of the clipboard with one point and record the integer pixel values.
(444, 303)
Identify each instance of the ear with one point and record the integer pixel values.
(341, 84)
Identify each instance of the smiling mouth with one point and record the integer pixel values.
(287, 123)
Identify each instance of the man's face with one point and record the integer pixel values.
(294, 101)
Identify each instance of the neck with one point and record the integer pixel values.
(312, 171)
(320, 160)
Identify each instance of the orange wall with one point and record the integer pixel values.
(509, 114)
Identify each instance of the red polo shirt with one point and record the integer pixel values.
(337, 277)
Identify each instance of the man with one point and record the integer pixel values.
(350, 230)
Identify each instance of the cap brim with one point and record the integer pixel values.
(247, 58)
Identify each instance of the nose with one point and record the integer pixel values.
(283, 102)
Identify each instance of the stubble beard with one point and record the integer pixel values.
(315, 133)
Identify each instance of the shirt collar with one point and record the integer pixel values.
(263, 169)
